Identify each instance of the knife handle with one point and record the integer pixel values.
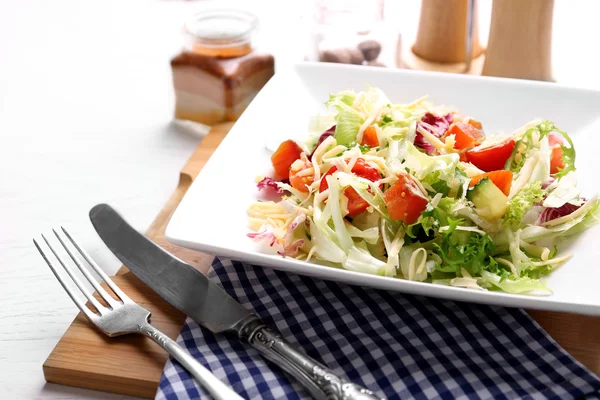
(321, 382)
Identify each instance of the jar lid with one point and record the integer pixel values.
(221, 28)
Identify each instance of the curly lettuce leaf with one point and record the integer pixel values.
(423, 229)
(432, 219)
(529, 140)
(464, 249)
(433, 184)
(509, 285)
(455, 188)
(522, 202)
(527, 260)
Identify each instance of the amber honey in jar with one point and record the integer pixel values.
(218, 72)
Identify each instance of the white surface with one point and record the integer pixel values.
(503, 105)
(85, 109)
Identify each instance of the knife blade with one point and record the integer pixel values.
(180, 284)
(191, 292)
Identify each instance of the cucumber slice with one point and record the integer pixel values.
(488, 199)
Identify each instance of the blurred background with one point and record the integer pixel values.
(64, 40)
(73, 48)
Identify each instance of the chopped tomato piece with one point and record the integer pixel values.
(475, 123)
(356, 204)
(491, 158)
(323, 186)
(301, 175)
(405, 200)
(555, 141)
(502, 179)
(364, 170)
(361, 168)
(466, 136)
(370, 137)
(556, 160)
(284, 157)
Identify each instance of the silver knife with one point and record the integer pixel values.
(205, 302)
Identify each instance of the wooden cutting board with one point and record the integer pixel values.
(133, 364)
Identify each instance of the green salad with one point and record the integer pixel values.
(420, 192)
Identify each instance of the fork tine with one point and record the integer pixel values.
(99, 289)
(101, 309)
(96, 268)
(86, 311)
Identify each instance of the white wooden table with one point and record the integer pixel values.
(85, 117)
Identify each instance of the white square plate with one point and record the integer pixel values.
(212, 216)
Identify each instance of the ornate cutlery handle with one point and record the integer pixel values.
(321, 382)
(217, 389)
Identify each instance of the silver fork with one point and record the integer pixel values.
(125, 316)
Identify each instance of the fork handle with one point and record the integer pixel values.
(217, 389)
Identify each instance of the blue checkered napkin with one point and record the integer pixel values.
(400, 346)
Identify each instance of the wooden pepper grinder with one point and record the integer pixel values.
(520, 41)
(443, 40)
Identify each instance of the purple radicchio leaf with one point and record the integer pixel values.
(324, 135)
(270, 185)
(442, 123)
(551, 213)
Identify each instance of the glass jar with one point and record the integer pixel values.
(353, 32)
(218, 72)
